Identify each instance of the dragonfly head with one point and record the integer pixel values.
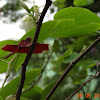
(28, 39)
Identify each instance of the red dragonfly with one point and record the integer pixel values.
(24, 46)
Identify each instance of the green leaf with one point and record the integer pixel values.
(71, 58)
(34, 93)
(12, 86)
(11, 64)
(55, 46)
(79, 15)
(59, 3)
(4, 62)
(83, 2)
(46, 29)
(3, 43)
(22, 98)
(3, 67)
(66, 54)
(81, 76)
(64, 29)
(47, 90)
(1, 98)
(19, 61)
(91, 64)
(68, 28)
(68, 22)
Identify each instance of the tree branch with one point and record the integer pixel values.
(96, 75)
(19, 90)
(71, 65)
(49, 56)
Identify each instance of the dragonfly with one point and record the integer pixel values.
(24, 46)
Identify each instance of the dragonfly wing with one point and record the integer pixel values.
(10, 48)
(42, 46)
(26, 50)
(38, 49)
(23, 50)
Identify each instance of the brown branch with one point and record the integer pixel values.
(39, 23)
(49, 56)
(71, 65)
(96, 75)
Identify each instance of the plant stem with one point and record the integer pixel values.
(71, 65)
(96, 75)
(19, 90)
(49, 56)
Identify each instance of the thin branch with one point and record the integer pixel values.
(96, 75)
(39, 23)
(71, 65)
(49, 56)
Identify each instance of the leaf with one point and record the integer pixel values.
(3, 43)
(83, 2)
(9, 69)
(78, 14)
(71, 58)
(59, 3)
(81, 76)
(4, 62)
(91, 64)
(11, 64)
(66, 54)
(68, 22)
(3, 66)
(15, 63)
(55, 46)
(19, 61)
(1, 98)
(68, 28)
(34, 93)
(64, 29)
(47, 90)
(22, 98)
(46, 29)
(12, 86)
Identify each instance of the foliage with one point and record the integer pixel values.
(83, 2)
(69, 34)
(92, 5)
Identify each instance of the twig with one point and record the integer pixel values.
(96, 75)
(71, 65)
(49, 56)
(39, 23)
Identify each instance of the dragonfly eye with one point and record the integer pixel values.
(28, 38)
